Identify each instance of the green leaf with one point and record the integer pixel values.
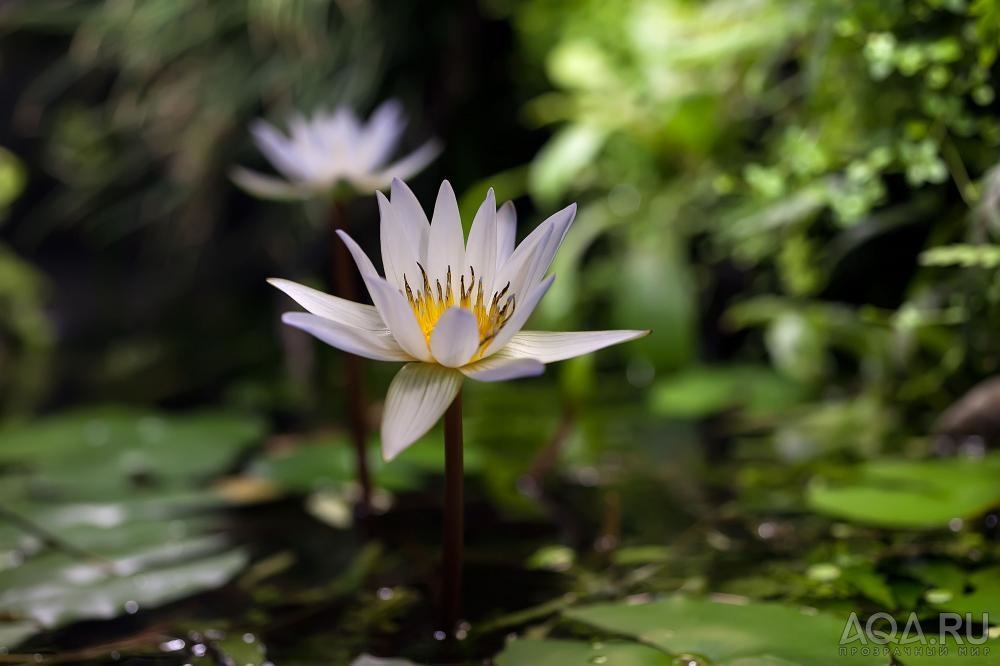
(13, 633)
(726, 634)
(568, 153)
(983, 597)
(12, 178)
(948, 652)
(85, 448)
(699, 392)
(653, 288)
(575, 653)
(910, 494)
(56, 591)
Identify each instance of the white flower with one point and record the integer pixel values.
(321, 152)
(451, 309)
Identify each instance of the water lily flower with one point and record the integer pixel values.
(321, 152)
(449, 308)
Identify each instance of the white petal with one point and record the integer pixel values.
(391, 304)
(279, 150)
(532, 258)
(411, 218)
(548, 346)
(365, 265)
(499, 368)
(418, 395)
(455, 338)
(481, 250)
(398, 316)
(267, 187)
(398, 251)
(347, 312)
(447, 241)
(506, 232)
(413, 163)
(380, 134)
(522, 311)
(370, 344)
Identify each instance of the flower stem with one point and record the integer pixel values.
(357, 407)
(453, 515)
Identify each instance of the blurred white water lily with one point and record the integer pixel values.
(328, 149)
(452, 308)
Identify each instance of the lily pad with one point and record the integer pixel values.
(115, 447)
(329, 463)
(104, 517)
(726, 634)
(948, 652)
(983, 596)
(55, 590)
(910, 494)
(577, 653)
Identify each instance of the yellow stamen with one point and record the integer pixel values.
(429, 304)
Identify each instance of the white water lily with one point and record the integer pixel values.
(450, 308)
(327, 149)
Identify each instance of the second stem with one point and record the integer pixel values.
(343, 286)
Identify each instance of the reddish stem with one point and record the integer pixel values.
(357, 406)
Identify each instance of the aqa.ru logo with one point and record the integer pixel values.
(885, 638)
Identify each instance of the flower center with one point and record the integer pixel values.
(429, 303)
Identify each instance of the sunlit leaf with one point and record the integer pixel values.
(910, 494)
(725, 633)
(575, 653)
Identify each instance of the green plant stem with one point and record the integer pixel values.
(357, 407)
(454, 509)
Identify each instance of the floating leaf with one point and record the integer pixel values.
(946, 652)
(87, 591)
(983, 597)
(726, 634)
(105, 447)
(576, 653)
(13, 633)
(910, 494)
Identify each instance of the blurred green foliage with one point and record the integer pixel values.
(26, 336)
(839, 154)
(182, 81)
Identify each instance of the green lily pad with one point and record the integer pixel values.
(577, 653)
(329, 463)
(910, 494)
(726, 634)
(56, 590)
(947, 653)
(983, 597)
(13, 633)
(107, 514)
(114, 447)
